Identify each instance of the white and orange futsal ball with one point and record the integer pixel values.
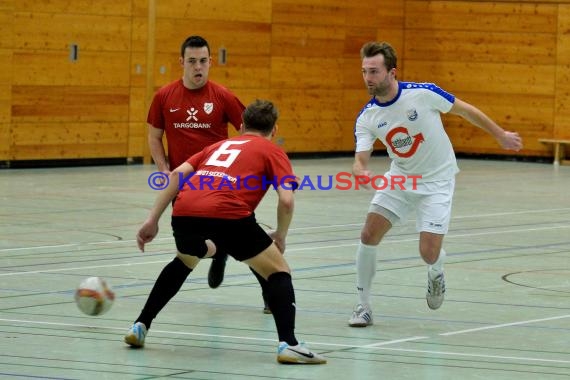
(94, 296)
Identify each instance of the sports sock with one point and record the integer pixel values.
(281, 299)
(166, 286)
(365, 270)
(437, 267)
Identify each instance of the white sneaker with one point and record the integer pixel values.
(298, 354)
(135, 336)
(361, 316)
(435, 291)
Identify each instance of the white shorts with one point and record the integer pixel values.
(430, 200)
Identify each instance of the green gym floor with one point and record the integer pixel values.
(506, 313)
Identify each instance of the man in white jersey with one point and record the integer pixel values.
(406, 117)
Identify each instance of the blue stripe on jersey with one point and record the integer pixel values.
(430, 86)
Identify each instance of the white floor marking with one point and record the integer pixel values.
(504, 325)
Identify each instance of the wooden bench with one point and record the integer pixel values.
(558, 150)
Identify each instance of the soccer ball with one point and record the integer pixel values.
(94, 296)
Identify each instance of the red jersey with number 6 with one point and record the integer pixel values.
(193, 119)
(231, 177)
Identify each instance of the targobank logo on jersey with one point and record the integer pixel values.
(191, 114)
(192, 117)
(402, 144)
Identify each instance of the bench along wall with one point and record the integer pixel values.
(511, 59)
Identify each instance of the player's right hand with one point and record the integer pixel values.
(146, 234)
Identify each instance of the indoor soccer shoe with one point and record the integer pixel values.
(217, 269)
(435, 291)
(361, 316)
(135, 336)
(298, 354)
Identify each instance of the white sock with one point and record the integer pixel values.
(365, 269)
(437, 267)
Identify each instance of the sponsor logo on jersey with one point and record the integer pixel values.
(192, 114)
(412, 114)
(401, 143)
(192, 125)
(208, 108)
(382, 124)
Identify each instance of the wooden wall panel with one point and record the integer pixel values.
(240, 38)
(5, 85)
(33, 141)
(562, 105)
(509, 58)
(69, 103)
(137, 139)
(474, 46)
(301, 135)
(307, 40)
(65, 109)
(92, 7)
(5, 142)
(53, 68)
(491, 78)
(253, 11)
(306, 73)
(482, 16)
(499, 56)
(6, 25)
(49, 31)
(309, 12)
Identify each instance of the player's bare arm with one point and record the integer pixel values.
(157, 148)
(285, 208)
(149, 229)
(507, 140)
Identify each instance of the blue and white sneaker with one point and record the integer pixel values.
(298, 354)
(135, 336)
(435, 291)
(361, 316)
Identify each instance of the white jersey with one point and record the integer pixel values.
(411, 129)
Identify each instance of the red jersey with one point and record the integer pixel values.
(231, 177)
(193, 119)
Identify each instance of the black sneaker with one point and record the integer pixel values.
(217, 268)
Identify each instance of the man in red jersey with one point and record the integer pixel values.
(220, 188)
(193, 112)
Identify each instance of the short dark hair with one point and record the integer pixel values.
(371, 49)
(261, 115)
(194, 42)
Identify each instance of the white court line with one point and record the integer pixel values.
(294, 229)
(373, 346)
(297, 249)
(505, 325)
(514, 358)
(387, 343)
(82, 268)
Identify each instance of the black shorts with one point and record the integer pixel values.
(240, 238)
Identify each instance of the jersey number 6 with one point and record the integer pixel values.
(224, 156)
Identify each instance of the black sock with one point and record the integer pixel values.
(262, 282)
(281, 299)
(166, 286)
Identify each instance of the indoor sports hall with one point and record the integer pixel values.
(77, 79)
(506, 313)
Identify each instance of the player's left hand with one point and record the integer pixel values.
(511, 141)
